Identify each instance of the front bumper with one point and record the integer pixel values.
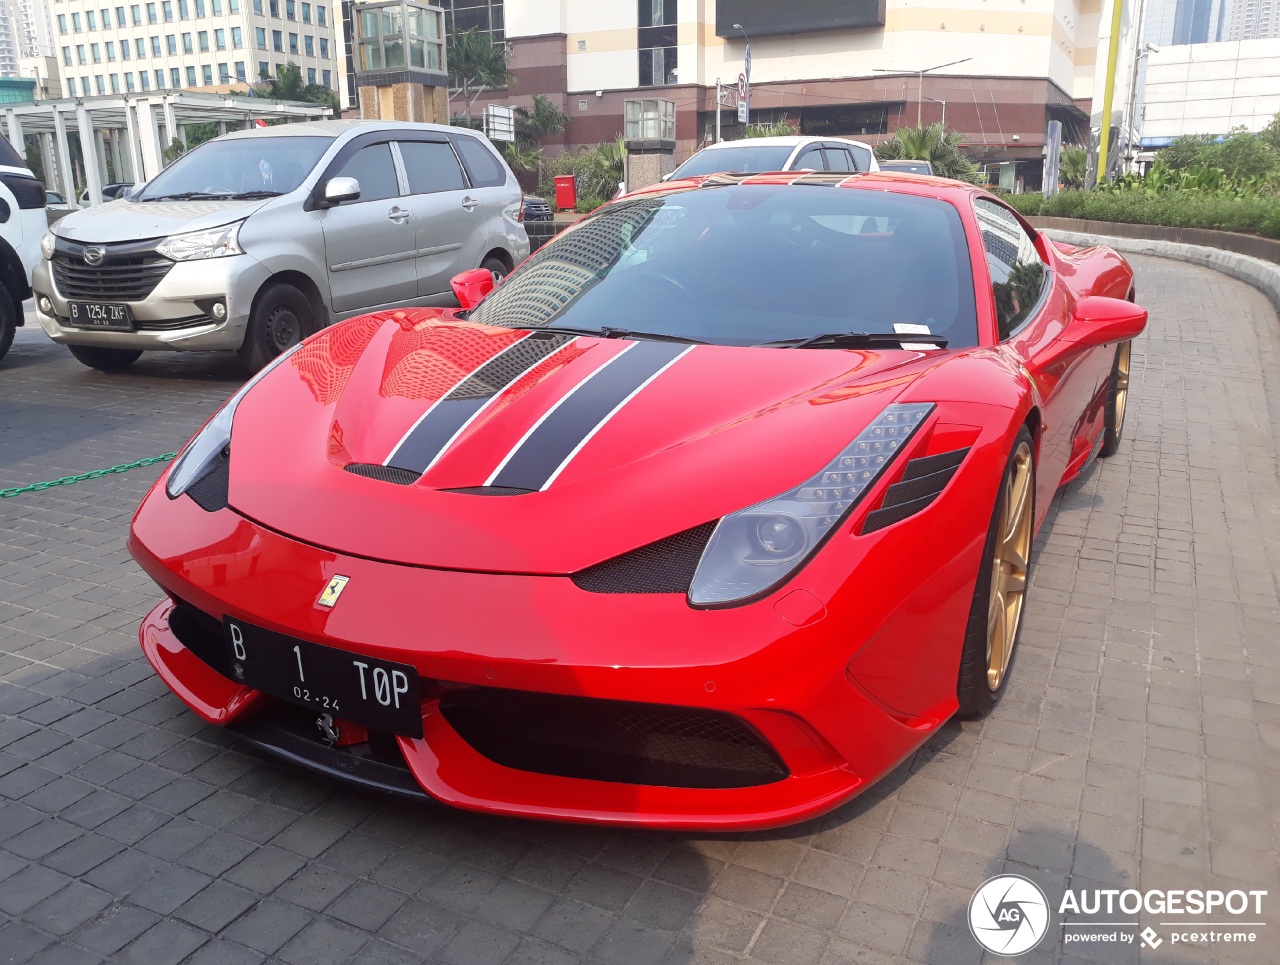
(790, 684)
(172, 316)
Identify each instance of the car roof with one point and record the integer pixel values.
(782, 140)
(337, 129)
(876, 180)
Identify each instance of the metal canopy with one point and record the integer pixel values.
(127, 129)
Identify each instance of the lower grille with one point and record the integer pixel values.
(609, 740)
(171, 324)
(201, 634)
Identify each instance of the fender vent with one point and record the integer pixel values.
(210, 490)
(666, 566)
(372, 470)
(921, 482)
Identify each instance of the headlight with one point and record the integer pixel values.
(205, 447)
(211, 243)
(47, 244)
(756, 548)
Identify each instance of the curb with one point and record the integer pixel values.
(1262, 275)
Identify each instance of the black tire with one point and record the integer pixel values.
(105, 359)
(1117, 400)
(976, 690)
(282, 317)
(497, 267)
(8, 322)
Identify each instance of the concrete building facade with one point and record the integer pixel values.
(191, 44)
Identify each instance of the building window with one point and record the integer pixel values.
(290, 10)
(119, 16)
(71, 86)
(91, 19)
(99, 84)
(650, 120)
(111, 50)
(274, 7)
(257, 7)
(96, 53)
(136, 11)
(155, 46)
(172, 41)
(324, 48)
(277, 41)
(128, 81)
(167, 7)
(309, 45)
(184, 11)
(311, 75)
(327, 76)
(224, 75)
(384, 35)
(260, 34)
(186, 44)
(320, 14)
(240, 70)
(293, 43)
(200, 9)
(234, 6)
(237, 38)
(75, 22)
(145, 79)
(140, 46)
(175, 77)
(159, 80)
(151, 13)
(203, 38)
(80, 54)
(191, 77)
(106, 19)
(657, 42)
(219, 38)
(264, 70)
(124, 50)
(306, 13)
(115, 83)
(62, 23)
(485, 16)
(66, 56)
(206, 73)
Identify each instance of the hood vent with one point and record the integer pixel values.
(490, 491)
(921, 483)
(372, 470)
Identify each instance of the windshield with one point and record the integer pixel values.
(744, 264)
(242, 165)
(748, 159)
(912, 167)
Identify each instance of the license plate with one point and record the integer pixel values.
(100, 315)
(377, 693)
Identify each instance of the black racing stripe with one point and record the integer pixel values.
(543, 451)
(429, 437)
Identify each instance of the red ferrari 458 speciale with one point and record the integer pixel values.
(706, 517)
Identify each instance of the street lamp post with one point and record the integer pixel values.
(746, 69)
(920, 98)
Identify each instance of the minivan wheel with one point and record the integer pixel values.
(8, 322)
(496, 267)
(283, 318)
(105, 359)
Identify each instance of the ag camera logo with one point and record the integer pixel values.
(1008, 915)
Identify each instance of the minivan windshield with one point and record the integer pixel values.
(238, 167)
(748, 159)
(751, 264)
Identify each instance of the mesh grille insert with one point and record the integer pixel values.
(490, 491)
(666, 566)
(210, 490)
(372, 470)
(921, 483)
(201, 634)
(608, 740)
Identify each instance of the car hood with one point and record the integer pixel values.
(134, 220)
(542, 454)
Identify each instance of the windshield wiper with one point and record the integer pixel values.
(873, 339)
(253, 195)
(186, 196)
(608, 331)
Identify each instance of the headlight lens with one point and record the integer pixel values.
(211, 243)
(205, 447)
(46, 245)
(756, 548)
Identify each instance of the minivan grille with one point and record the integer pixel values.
(129, 272)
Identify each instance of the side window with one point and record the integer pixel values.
(483, 166)
(431, 167)
(1018, 275)
(810, 160)
(373, 168)
(838, 159)
(861, 159)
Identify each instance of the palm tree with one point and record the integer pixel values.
(779, 128)
(476, 65)
(934, 144)
(287, 85)
(521, 157)
(544, 119)
(1073, 166)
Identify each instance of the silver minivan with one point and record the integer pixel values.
(255, 239)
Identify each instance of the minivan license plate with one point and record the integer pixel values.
(100, 315)
(377, 693)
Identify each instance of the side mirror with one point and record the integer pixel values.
(1096, 320)
(338, 190)
(471, 287)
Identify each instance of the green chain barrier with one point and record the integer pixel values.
(94, 474)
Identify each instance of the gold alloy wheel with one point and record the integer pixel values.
(1009, 566)
(1122, 384)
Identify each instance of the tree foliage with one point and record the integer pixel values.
(597, 173)
(476, 65)
(1239, 155)
(541, 120)
(1073, 167)
(779, 128)
(287, 85)
(934, 144)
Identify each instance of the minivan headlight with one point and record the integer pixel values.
(47, 244)
(209, 442)
(211, 243)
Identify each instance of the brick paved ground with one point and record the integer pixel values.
(1136, 746)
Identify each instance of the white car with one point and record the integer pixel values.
(22, 224)
(757, 154)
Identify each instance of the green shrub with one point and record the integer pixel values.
(1258, 214)
(1027, 205)
(587, 204)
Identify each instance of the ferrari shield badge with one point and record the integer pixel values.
(331, 592)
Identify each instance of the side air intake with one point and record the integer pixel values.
(921, 482)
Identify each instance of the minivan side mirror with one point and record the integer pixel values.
(338, 190)
(471, 287)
